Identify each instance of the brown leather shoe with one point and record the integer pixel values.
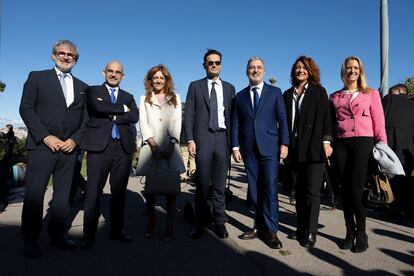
(272, 240)
(249, 235)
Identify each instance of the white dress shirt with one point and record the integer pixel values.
(220, 100)
(259, 91)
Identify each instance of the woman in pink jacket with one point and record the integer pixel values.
(358, 120)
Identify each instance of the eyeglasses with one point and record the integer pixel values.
(69, 56)
(211, 63)
(112, 72)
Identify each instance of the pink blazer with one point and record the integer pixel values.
(364, 116)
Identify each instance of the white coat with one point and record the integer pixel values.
(163, 122)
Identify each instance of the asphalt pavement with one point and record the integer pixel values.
(390, 252)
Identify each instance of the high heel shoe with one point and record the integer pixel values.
(361, 242)
(348, 242)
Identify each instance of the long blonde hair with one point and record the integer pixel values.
(362, 80)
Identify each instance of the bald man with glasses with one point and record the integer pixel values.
(109, 142)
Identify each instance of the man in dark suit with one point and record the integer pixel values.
(53, 109)
(110, 143)
(207, 126)
(259, 137)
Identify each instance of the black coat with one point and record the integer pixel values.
(399, 124)
(314, 124)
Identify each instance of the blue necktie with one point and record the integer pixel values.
(256, 99)
(115, 130)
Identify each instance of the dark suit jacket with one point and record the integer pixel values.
(399, 124)
(101, 111)
(261, 127)
(43, 109)
(314, 124)
(197, 111)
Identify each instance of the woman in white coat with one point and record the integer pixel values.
(160, 123)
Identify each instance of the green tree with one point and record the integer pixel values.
(2, 86)
(273, 80)
(410, 85)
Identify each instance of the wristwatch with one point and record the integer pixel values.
(174, 141)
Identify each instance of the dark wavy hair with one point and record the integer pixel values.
(168, 87)
(312, 68)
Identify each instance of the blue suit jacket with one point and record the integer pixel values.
(268, 127)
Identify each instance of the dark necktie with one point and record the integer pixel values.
(297, 114)
(213, 124)
(256, 99)
(115, 130)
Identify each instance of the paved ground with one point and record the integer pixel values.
(391, 250)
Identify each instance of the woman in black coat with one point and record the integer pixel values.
(310, 128)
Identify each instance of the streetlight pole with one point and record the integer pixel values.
(384, 48)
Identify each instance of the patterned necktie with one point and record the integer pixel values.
(115, 130)
(297, 114)
(62, 77)
(256, 99)
(213, 124)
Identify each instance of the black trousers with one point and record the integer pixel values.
(309, 177)
(115, 162)
(41, 164)
(212, 163)
(352, 159)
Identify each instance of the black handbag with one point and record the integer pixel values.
(378, 190)
(162, 181)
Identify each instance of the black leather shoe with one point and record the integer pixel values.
(249, 235)
(120, 236)
(221, 231)
(272, 240)
(309, 241)
(297, 235)
(86, 244)
(63, 243)
(32, 249)
(196, 232)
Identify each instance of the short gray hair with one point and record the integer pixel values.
(66, 43)
(253, 59)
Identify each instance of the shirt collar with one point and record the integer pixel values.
(109, 87)
(304, 90)
(217, 81)
(58, 73)
(259, 86)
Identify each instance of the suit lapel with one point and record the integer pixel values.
(263, 97)
(245, 96)
(289, 99)
(105, 93)
(204, 90)
(54, 81)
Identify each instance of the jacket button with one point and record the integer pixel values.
(160, 120)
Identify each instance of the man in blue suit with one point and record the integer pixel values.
(259, 137)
